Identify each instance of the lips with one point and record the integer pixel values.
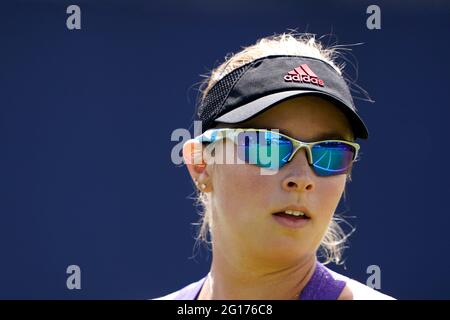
(292, 217)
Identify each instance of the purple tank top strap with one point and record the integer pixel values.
(322, 285)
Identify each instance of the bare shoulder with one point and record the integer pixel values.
(355, 290)
(170, 296)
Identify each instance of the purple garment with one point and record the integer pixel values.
(321, 286)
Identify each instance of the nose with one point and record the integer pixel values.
(299, 174)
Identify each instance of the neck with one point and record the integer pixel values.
(239, 280)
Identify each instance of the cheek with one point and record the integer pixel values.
(239, 190)
(329, 191)
(231, 199)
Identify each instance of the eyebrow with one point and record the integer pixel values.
(331, 135)
(321, 136)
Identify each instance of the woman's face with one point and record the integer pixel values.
(244, 201)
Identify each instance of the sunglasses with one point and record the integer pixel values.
(272, 150)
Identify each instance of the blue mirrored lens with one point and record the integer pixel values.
(264, 148)
(331, 158)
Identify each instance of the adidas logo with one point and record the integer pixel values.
(304, 74)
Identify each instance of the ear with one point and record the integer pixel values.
(195, 163)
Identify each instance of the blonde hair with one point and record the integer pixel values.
(333, 242)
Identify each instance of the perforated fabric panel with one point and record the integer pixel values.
(213, 103)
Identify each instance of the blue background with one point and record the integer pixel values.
(86, 117)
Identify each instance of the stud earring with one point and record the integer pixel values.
(201, 186)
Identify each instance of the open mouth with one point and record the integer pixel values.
(292, 218)
(293, 214)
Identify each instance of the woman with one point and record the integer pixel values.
(277, 147)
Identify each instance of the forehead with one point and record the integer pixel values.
(308, 118)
